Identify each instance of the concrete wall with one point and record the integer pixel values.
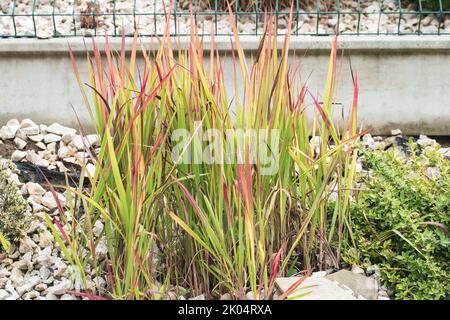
(404, 81)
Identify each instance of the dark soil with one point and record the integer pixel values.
(29, 172)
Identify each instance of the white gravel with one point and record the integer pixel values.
(35, 268)
(149, 19)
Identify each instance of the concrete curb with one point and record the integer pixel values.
(357, 43)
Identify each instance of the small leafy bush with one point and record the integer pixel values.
(13, 207)
(401, 220)
(435, 4)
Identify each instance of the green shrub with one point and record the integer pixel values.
(435, 4)
(401, 220)
(13, 207)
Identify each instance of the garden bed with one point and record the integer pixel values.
(35, 268)
(180, 196)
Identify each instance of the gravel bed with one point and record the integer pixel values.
(149, 19)
(35, 268)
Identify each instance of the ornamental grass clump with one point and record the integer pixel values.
(13, 207)
(182, 213)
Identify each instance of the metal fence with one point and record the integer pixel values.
(64, 18)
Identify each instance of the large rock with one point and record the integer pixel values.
(359, 284)
(315, 288)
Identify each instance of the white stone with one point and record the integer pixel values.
(90, 170)
(88, 141)
(67, 138)
(35, 189)
(27, 245)
(357, 269)
(16, 277)
(396, 132)
(58, 129)
(36, 138)
(314, 288)
(29, 127)
(51, 296)
(60, 288)
(98, 228)
(49, 138)
(4, 294)
(49, 201)
(101, 250)
(13, 125)
(18, 155)
(45, 239)
(68, 297)
(6, 133)
(64, 152)
(36, 159)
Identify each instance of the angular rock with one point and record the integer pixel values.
(45, 239)
(4, 294)
(20, 143)
(82, 143)
(89, 170)
(60, 288)
(64, 152)
(67, 138)
(50, 137)
(51, 296)
(29, 127)
(31, 295)
(49, 201)
(359, 284)
(16, 277)
(36, 159)
(60, 130)
(18, 155)
(357, 269)
(68, 297)
(37, 138)
(27, 245)
(6, 133)
(314, 288)
(35, 189)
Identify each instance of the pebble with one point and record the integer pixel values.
(424, 141)
(68, 297)
(4, 294)
(49, 138)
(37, 138)
(18, 155)
(60, 288)
(35, 189)
(60, 130)
(357, 269)
(20, 143)
(36, 159)
(6, 133)
(49, 201)
(29, 128)
(45, 239)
